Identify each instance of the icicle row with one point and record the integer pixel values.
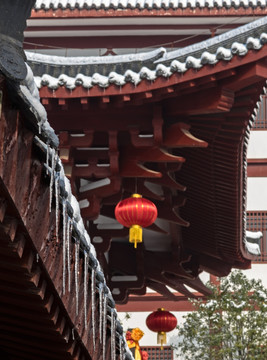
(47, 158)
(121, 352)
(113, 335)
(64, 246)
(76, 274)
(101, 293)
(85, 284)
(69, 232)
(53, 165)
(104, 326)
(57, 205)
(93, 289)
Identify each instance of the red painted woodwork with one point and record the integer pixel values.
(105, 42)
(180, 140)
(36, 318)
(257, 168)
(143, 304)
(180, 173)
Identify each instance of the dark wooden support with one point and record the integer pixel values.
(178, 135)
(209, 101)
(251, 74)
(82, 140)
(85, 103)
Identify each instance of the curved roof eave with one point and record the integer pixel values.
(122, 71)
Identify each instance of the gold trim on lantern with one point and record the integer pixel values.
(161, 339)
(135, 235)
(136, 196)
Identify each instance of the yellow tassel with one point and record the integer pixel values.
(135, 235)
(161, 339)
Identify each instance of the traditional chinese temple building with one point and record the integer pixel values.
(170, 123)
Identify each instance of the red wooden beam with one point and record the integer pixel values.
(257, 168)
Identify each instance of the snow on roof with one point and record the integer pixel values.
(91, 60)
(254, 236)
(252, 242)
(146, 4)
(56, 71)
(253, 249)
(60, 189)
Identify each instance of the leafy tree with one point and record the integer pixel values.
(230, 325)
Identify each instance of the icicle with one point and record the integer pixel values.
(101, 293)
(76, 272)
(85, 284)
(64, 245)
(113, 335)
(47, 158)
(93, 280)
(104, 326)
(120, 345)
(57, 205)
(53, 165)
(69, 232)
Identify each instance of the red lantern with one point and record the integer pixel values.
(161, 321)
(135, 213)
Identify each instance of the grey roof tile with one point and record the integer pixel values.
(55, 71)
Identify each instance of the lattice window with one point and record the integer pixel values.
(155, 352)
(261, 119)
(257, 221)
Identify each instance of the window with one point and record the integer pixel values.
(155, 352)
(257, 221)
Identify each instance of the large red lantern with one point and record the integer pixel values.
(135, 213)
(161, 321)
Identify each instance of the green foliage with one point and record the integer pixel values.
(230, 325)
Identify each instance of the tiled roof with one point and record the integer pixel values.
(87, 72)
(146, 4)
(27, 98)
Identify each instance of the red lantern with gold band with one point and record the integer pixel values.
(135, 213)
(161, 321)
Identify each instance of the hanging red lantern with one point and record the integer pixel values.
(161, 321)
(135, 213)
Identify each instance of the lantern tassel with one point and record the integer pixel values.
(161, 339)
(135, 235)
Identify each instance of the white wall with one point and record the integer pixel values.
(258, 272)
(257, 148)
(257, 194)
